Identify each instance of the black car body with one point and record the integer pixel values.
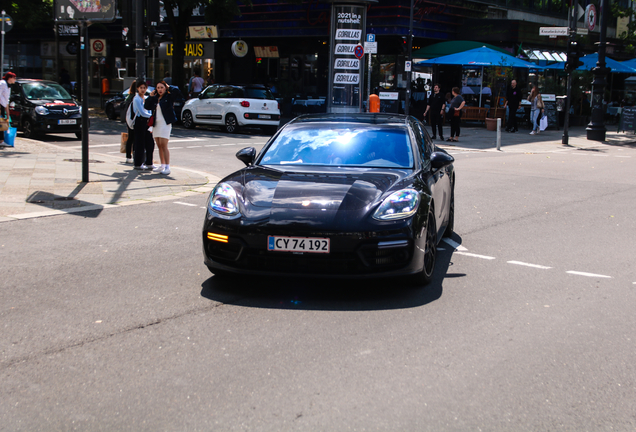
(39, 106)
(113, 106)
(369, 194)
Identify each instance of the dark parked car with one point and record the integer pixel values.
(39, 106)
(355, 195)
(113, 105)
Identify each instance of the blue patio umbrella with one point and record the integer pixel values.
(481, 57)
(630, 63)
(589, 63)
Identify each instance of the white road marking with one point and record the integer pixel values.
(185, 204)
(194, 146)
(623, 156)
(454, 244)
(229, 144)
(588, 274)
(185, 140)
(529, 265)
(211, 145)
(476, 256)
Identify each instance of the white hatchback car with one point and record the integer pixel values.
(233, 106)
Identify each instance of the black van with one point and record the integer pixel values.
(39, 106)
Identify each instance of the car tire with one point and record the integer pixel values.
(110, 112)
(231, 124)
(188, 120)
(28, 130)
(430, 253)
(450, 228)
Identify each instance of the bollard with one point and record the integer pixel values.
(498, 134)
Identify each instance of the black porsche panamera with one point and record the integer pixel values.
(335, 195)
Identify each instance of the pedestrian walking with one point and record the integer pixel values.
(513, 99)
(196, 84)
(161, 102)
(436, 105)
(144, 144)
(536, 109)
(167, 79)
(455, 111)
(5, 93)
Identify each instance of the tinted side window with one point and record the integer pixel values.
(224, 92)
(420, 138)
(208, 93)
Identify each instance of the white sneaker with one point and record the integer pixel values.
(166, 171)
(532, 133)
(157, 169)
(129, 161)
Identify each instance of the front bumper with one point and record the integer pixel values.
(52, 125)
(392, 252)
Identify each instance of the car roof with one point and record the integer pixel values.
(258, 86)
(362, 118)
(32, 80)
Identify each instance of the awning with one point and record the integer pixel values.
(452, 47)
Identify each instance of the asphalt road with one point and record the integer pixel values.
(112, 322)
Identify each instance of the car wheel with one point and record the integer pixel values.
(28, 130)
(188, 120)
(430, 253)
(450, 228)
(110, 112)
(231, 124)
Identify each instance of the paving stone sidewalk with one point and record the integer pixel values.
(39, 179)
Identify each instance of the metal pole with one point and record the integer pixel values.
(369, 83)
(140, 48)
(498, 133)
(407, 103)
(85, 83)
(2, 59)
(566, 120)
(596, 129)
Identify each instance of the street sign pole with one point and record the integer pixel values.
(85, 81)
(566, 121)
(407, 102)
(2, 60)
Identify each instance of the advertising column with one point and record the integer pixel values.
(346, 68)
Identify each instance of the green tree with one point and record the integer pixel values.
(29, 14)
(626, 10)
(217, 12)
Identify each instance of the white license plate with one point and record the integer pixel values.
(70, 121)
(264, 116)
(298, 244)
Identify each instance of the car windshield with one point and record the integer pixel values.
(258, 93)
(44, 91)
(342, 145)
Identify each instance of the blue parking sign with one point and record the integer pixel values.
(370, 38)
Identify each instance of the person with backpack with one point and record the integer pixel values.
(128, 112)
(144, 144)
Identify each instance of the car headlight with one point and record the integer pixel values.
(41, 110)
(223, 200)
(398, 205)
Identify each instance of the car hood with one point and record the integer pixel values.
(60, 103)
(315, 198)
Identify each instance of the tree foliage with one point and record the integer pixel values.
(29, 14)
(626, 10)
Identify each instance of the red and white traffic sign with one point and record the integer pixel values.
(359, 51)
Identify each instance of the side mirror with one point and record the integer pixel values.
(441, 159)
(247, 155)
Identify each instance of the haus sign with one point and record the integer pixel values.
(191, 50)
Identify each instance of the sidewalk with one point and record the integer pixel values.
(39, 179)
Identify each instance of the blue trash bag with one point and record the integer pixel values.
(9, 136)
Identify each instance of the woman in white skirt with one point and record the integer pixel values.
(161, 102)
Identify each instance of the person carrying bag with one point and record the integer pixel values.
(5, 92)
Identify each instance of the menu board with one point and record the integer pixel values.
(550, 109)
(628, 119)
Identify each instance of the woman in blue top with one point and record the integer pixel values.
(144, 144)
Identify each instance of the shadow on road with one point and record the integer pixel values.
(329, 294)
